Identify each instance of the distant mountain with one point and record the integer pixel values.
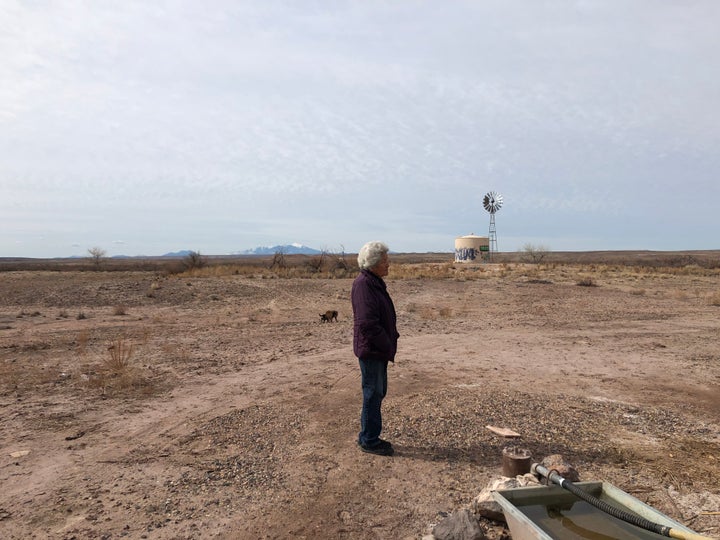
(181, 253)
(288, 249)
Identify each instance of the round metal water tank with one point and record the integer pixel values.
(471, 248)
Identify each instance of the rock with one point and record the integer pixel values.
(691, 504)
(460, 525)
(556, 462)
(484, 505)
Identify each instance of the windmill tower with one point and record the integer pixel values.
(492, 203)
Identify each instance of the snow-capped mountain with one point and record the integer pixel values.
(288, 249)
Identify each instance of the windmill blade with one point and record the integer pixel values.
(498, 201)
(492, 201)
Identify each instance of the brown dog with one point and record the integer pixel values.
(329, 316)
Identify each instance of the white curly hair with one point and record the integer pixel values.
(371, 254)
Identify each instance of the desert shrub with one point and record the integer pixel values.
(120, 353)
(154, 286)
(278, 259)
(315, 263)
(97, 255)
(422, 271)
(534, 254)
(118, 373)
(194, 260)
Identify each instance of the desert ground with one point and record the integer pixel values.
(213, 403)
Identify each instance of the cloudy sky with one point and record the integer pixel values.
(149, 127)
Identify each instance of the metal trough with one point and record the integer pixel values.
(553, 513)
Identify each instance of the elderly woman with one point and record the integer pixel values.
(375, 339)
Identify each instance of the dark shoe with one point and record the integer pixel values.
(379, 449)
(381, 442)
(384, 443)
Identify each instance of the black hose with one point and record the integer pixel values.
(616, 512)
(602, 505)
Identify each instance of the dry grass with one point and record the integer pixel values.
(403, 265)
(82, 341)
(120, 353)
(21, 377)
(118, 373)
(405, 268)
(422, 271)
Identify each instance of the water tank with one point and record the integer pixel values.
(471, 248)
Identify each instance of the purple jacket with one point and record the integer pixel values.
(375, 332)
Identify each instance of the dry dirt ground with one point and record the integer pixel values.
(142, 405)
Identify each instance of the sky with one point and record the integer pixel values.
(144, 128)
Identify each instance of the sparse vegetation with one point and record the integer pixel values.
(82, 341)
(278, 260)
(534, 254)
(120, 353)
(97, 255)
(315, 263)
(194, 261)
(118, 372)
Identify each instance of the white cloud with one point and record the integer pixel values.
(394, 117)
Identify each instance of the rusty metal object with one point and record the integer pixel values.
(515, 461)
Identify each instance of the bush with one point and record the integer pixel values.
(194, 261)
(534, 254)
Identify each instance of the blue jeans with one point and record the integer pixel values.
(374, 388)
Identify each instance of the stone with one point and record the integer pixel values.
(460, 525)
(556, 462)
(484, 505)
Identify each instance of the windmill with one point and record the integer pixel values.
(492, 203)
